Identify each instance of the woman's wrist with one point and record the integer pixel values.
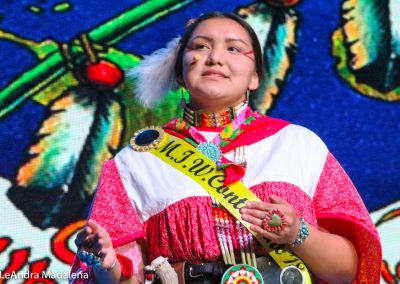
(302, 234)
(100, 268)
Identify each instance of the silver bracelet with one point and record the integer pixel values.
(97, 267)
(302, 234)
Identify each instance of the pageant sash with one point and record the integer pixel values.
(194, 164)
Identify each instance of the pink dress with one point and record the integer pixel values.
(139, 196)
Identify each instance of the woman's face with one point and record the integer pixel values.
(218, 65)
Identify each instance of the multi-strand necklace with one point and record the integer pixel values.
(229, 230)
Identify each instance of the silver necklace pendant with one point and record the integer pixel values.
(212, 151)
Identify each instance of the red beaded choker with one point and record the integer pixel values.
(211, 119)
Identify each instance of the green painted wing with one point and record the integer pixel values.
(367, 46)
(276, 30)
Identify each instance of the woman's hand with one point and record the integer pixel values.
(94, 239)
(255, 212)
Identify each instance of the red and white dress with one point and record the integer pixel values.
(139, 196)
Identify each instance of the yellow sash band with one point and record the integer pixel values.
(187, 159)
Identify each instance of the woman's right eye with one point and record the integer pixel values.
(200, 46)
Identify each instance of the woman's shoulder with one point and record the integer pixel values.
(292, 131)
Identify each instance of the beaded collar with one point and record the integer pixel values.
(212, 119)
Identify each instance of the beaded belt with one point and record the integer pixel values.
(212, 272)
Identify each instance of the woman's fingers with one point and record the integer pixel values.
(89, 236)
(95, 246)
(83, 235)
(258, 205)
(98, 248)
(277, 200)
(93, 225)
(260, 214)
(99, 230)
(251, 219)
(276, 220)
(102, 253)
(275, 237)
(80, 238)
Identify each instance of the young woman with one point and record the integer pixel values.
(146, 208)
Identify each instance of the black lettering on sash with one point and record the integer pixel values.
(291, 260)
(294, 261)
(186, 155)
(242, 201)
(278, 248)
(169, 148)
(222, 189)
(216, 181)
(232, 195)
(198, 169)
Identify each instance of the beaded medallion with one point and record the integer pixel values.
(211, 150)
(147, 138)
(242, 273)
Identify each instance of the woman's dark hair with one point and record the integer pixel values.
(221, 15)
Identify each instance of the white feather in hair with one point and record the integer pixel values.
(154, 77)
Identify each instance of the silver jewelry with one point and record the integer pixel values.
(98, 268)
(212, 151)
(302, 234)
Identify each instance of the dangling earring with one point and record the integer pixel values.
(182, 103)
(246, 99)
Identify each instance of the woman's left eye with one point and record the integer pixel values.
(234, 49)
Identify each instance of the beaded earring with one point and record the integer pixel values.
(246, 100)
(182, 103)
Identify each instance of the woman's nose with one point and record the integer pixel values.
(215, 57)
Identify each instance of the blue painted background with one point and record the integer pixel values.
(363, 133)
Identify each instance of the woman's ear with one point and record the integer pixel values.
(179, 79)
(254, 82)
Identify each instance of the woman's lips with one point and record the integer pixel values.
(214, 73)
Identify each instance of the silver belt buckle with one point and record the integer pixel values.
(291, 275)
(272, 271)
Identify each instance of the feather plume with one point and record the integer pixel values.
(154, 77)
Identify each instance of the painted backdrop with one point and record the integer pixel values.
(66, 106)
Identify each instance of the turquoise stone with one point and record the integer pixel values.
(275, 220)
(212, 151)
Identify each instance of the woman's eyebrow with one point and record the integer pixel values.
(202, 37)
(207, 38)
(236, 40)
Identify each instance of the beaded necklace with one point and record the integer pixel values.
(230, 231)
(212, 119)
